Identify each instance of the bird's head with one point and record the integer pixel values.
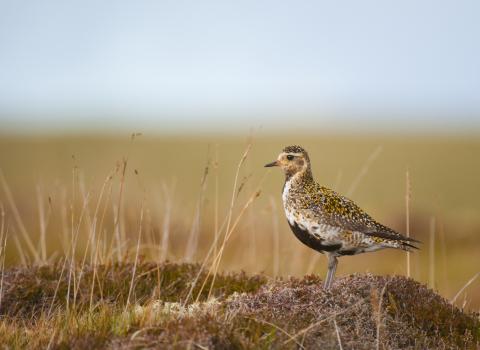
(292, 160)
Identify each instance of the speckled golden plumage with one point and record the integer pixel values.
(326, 221)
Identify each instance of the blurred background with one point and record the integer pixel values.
(125, 123)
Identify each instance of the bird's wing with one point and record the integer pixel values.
(339, 211)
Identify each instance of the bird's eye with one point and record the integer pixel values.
(290, 157)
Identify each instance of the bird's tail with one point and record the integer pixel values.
(401, 244)
(408, 246)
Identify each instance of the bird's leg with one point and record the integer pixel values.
(332, 266)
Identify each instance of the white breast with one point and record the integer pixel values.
(286, 189)
(288, 211)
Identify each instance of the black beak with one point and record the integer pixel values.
(275, 163)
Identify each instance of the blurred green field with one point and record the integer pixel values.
(55, 184)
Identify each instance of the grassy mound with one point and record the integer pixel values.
(103, 309)
(30, 292)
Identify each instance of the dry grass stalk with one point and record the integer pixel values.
(52, 338)
(72, 238)
(84, 195)
(18, 219)
(443, 251)
(255, 194)
(313, 262)
(216, 201)
(72, 272)
(338, 180)
(276, 238)
(119, 233)
(168, 192)
(192, 243)
(378, 312)
(251, 251)
(280, 329)
(43, 225)
(134, 270)
(202, 268)
(228, 234)
(337, 331)
(99, 227)
(364, 170)
(432, 253)
(65, 233)
(21, 253)
(470, 281)
(408, 193)
(92, 241)
(56, 288)
(217, 260)
(3, 244)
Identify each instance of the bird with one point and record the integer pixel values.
(326, 221)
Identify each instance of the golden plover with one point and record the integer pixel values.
(326, 221)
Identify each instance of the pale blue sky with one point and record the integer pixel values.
(188, 64)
